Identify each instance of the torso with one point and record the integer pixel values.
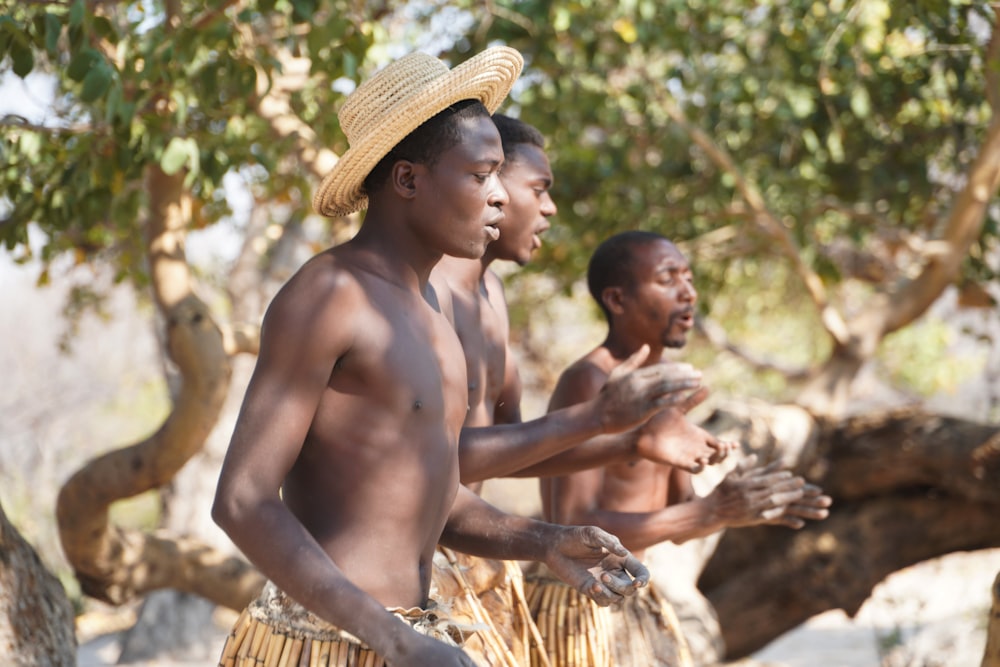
(482, 329)
(378, 471)
(636, 485)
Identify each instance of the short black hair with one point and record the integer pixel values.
(427, 143)
(612, 262)
(515, 133)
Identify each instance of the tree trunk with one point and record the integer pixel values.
(991, 657)
(116, 565)
(907, 486)
(36, 617)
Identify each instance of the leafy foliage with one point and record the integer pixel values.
(853, 120)
(141, 88)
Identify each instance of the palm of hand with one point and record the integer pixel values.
(669, 438)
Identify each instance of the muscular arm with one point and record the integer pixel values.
(749, 495)
(277, 411)
(628, 398)
(587, 558)
(598, 451)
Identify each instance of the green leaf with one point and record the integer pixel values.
(22, 57)
(96, 83)
(53, 28)
(76, 12)
(860, 101)
(81, 63)
(178, 154)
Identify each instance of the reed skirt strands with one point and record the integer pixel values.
(276, 631)
(645, 630)
(574, 629)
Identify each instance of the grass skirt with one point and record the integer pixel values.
(276, 631)
(488, 595)
(642, 632)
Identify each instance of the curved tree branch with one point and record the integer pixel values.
(892, 310)
(761, 215)
(115, 564)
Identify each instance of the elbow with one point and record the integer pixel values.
(228, 511)
(221, 513)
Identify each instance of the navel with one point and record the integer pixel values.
(417, 405)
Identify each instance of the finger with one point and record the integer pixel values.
(693, 399)
(618, 582)
(772, 514)
(638, 571)
(633, 362)
(600, 593)
(807, 512)
(601, 539)
(671, 393)
(813, 491)
(789, 522)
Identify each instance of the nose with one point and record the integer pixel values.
(689, 293)
(548, 208)
(498, 193)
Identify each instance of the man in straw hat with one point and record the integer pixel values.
(342, 474)
(644, 286)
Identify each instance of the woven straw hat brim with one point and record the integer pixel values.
(487, 77)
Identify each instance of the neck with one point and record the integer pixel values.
(621, 346)
(395, 254)
(465, 273)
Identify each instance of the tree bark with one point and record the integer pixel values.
(907, 486)
(116, 565)
(991, 657)
(36, 617)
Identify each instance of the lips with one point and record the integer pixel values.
(685, 318)
(493, 227)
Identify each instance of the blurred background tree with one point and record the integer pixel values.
(830, 169)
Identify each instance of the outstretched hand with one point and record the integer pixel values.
(633, 392)
(671, 439)
(595, 563)
(813, 505)
(751, 495)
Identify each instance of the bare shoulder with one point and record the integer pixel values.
(317, 296)
(441, 292)
(581, 381)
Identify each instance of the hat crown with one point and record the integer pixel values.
(386, 108)
(367, 108)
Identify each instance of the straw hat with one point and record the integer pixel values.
(396, 101)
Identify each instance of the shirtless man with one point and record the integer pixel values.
(472, 296)
(342, 475)
(644, 286)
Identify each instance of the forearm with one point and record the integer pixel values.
(596, 452)
(641, 530)
(478, 528)
(296, 563)
(504, 449)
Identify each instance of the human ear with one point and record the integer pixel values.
(612, 298)
(403, 178)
